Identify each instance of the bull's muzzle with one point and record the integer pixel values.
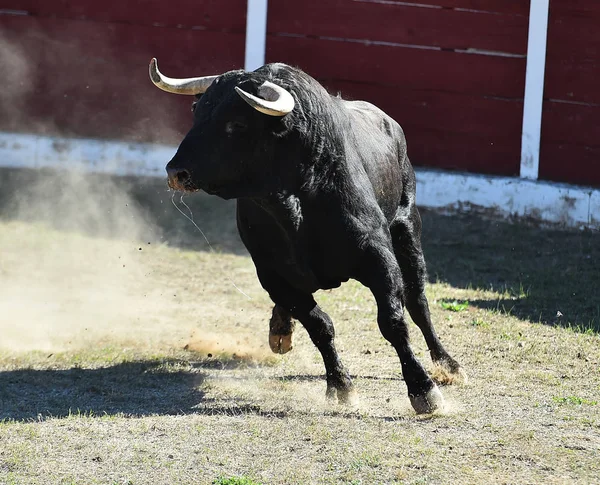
(179, 179)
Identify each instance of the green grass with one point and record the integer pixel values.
(235, 481)
(454, 306)
(480, 323)
(574, 400)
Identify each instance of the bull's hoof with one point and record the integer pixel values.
(448, 371)
(343, 396)
(281, 344)
(429, 402)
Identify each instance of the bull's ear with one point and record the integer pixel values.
(198, 96)
(279, 127)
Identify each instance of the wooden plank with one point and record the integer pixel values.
(439, 110)
(227, 15)
(463, 152)
(571, 143)
(449, 130)
(566, 34)
(401, 23)
(573, 61)
(571, 123)
(98, 85)
(570, 146)
(517, 7)
(575, 8)
(570, 163)
(425, 69)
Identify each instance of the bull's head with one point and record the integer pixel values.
(230, 147)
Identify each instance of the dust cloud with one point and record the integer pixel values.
(240, 346)
(84, 263)
(75, 268)
(16, 76)
(71, 268)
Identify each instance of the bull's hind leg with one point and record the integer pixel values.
(406, 237)
(383, 277)
(281, 329)
(290, 302)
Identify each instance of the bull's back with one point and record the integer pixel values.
(380, 145)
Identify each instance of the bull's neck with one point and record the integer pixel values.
(284, 207)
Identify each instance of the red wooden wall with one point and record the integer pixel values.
(451, 72)
(570, 150)
(80, 67)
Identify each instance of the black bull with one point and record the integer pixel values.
(325, 192)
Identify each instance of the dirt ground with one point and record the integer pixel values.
(133, 353)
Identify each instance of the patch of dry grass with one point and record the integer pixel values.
(160, 372)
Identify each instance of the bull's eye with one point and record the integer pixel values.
(235, 127)
(194, 106)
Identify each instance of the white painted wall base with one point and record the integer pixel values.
(92, 155)
(568, 205)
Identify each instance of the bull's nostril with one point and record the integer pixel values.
(179, 178)
(182, 176)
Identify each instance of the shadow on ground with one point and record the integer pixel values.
(547, 275)
(141, 388)
(132, 388)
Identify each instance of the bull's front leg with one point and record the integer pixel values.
(290, 302)
(281, 330)
(320, 329)
(382, 275)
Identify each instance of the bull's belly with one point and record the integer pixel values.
(313, 276)
(316, 258)
(313, 283)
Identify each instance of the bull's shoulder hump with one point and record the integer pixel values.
(362, 106)
(368, 110)
(377, 116)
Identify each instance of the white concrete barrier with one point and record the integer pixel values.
(568, 205)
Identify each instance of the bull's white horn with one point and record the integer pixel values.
(277, 101)
(191, 85)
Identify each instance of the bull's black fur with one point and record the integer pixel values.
(324, 194)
